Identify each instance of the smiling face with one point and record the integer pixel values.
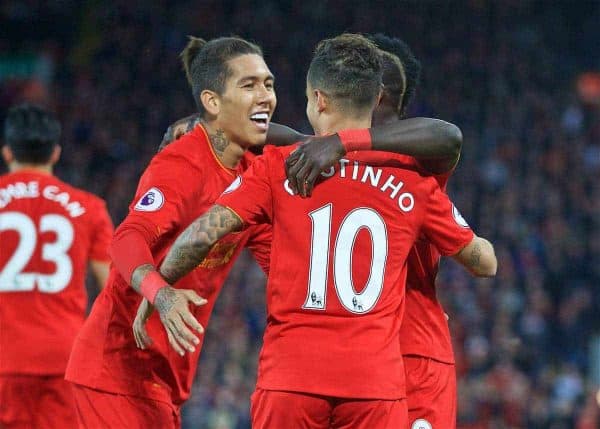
(248, 102)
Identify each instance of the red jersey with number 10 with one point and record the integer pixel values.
(335, 291)
(49, 231)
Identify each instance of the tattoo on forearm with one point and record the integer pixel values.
(219, 142)
(138, 275)
(475, 257)
(192, 246)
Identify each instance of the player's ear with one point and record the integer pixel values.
(55, 155)
(7, 154)
(322, 101)
(380, 96)
(211, 102)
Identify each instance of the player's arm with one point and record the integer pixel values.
(102, 233)
(435, 144)
(444, 226)
(280, 135)
(478, 257)
(193, 244)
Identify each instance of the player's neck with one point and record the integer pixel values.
(15, 167)
(335, 123)
(228, 152)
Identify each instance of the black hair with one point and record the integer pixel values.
(347, 68)
(411, 66)
(31, 132)
(205, 63)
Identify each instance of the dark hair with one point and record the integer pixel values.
(347, 68)
(31, 133)
(205, 63)
(411, 66)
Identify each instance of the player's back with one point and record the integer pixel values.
(49, 231)
(335, 290)
(424, 330)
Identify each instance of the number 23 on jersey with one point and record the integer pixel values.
(13, 278)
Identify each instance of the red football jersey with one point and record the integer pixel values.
(424, 330)
(49, 231)
(181, 183)
(338, 265)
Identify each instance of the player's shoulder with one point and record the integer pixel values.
(271, 152)
(189, 149)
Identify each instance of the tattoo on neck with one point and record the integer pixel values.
(219, 142)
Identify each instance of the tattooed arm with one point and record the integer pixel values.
(193, 244)
(190, 248)
(478, 258)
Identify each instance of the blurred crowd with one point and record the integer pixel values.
(504, 72)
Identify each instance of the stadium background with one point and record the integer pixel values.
(510, 74)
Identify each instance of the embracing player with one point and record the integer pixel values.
(331, 354)
(49, 233)
(425, 337)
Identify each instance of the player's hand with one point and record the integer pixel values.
(142, 339)
(173, 305)
(306, 163)
(179, 128)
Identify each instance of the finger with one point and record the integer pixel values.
(191, 321)
(179, 340)
(311, 180)
(174, 343)
(293, 173)
(301, 178)
(183, 334)
(291, 168)
(138, 343)
(194, 297)
(145, 339)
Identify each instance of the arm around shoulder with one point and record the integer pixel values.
(478, 258)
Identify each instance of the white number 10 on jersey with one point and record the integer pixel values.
(354, 221)
(12, 277)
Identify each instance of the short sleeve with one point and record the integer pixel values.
(444, 226)
(102, 232)
(162, 195)
(260, 245)
(250, 195)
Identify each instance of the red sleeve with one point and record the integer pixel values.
(250, 196)
(260, 245)
(156, 210)
(444, 226)
(101, 235)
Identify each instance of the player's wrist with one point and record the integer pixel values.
(151, 284)
(356, 139)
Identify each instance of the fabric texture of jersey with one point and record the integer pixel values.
(49, 231)
(338, 265)
(276, 409)
(96, 409)
(431, 387)
(424, 330)
(36, 401)
(181, 183)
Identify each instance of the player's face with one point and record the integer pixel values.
(248, 102)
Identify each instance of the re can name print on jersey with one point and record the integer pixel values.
(19, 190)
